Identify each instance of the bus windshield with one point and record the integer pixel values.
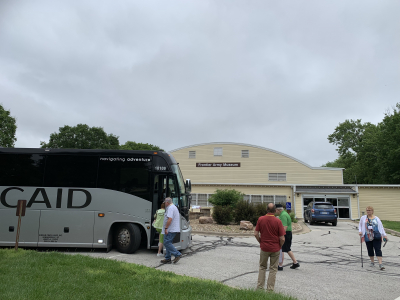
(181, 182)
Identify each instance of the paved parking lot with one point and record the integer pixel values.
(329, 257)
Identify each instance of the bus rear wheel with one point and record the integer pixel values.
(127, 238)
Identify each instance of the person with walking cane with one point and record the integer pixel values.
(372, 232)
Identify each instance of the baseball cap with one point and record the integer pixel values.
(278, 205)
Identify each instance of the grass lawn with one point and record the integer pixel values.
(394, 225)
(27, 274)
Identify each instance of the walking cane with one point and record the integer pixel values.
(362, 263)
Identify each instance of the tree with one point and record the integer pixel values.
(82, 136)
(388, 146)
(129, 145)
(226, 198)
(369, 153)
(8, 128)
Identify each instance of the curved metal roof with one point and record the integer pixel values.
(254, 146)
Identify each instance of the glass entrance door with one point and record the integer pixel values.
(341, 203)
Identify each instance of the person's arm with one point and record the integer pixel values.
(381, 229)
(281, 240)
(360, 227)
(284, 222)
(167, 225)
(257, 235)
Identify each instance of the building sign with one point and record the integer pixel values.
(217, 165)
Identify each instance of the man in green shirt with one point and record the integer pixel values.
(287, 225)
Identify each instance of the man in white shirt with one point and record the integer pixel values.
(171, 227)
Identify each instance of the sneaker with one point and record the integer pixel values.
(372, 264)
(295, 266)
(177, 259)
(280, 268)
(160, 254)
(166, 261)
(381, 267)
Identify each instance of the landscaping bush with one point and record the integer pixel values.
(293, 217)
(226, 198)
(245, 211)
(261, 209)
(222, 214)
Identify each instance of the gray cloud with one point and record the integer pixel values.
(275, 74)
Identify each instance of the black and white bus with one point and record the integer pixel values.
(89, 198)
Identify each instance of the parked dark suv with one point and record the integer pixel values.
(320, 212)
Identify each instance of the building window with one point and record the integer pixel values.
(277, 176)
(192, 154)
(280, 200)
(218, 151)
(245, 153)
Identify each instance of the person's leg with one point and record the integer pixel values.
(262, 269)
(161, 243)
(290, 253)
(273, 268)
(281, 258)
(168, 244)
(171, 247)
(377, 244)
(370, 249)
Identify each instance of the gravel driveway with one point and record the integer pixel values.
(329, 257)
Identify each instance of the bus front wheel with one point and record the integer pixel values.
(127, 238)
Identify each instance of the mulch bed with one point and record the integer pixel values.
(226, 229)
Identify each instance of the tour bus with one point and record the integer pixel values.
(89, 198)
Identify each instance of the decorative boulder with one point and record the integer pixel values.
(246, 225)
(206, 220)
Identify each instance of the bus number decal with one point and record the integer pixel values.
(159, 168)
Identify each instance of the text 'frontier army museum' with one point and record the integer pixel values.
(266, 175)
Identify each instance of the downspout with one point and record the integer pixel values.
(294, 199)
(358, 202)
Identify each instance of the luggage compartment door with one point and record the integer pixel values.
(66, 229)
(28, 235)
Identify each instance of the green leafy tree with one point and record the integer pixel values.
(8, 128)
(82, 136)
(129, 145)
(369, 153)
(226, 198)
(388, 147)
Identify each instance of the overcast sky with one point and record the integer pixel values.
(276, 74)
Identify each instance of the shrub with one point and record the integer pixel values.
(261, 209)
(245, 211)
(226, 198)
(293, 217)
(222, 214)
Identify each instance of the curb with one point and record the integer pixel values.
(250, 234)
(394, 232)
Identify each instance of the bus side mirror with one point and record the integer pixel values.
(188, 185)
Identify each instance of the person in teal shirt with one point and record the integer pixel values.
(287, 224)
(158, 224)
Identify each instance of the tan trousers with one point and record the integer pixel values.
(273, 269)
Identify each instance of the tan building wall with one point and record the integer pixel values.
(247, 190)
(385, 201)
(298, 204)
(254, 169)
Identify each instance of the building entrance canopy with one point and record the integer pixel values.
(325, 189)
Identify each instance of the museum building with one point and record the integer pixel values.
(266, 175)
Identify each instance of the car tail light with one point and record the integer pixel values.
(335, 211)
(312, 210)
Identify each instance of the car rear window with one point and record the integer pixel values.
(323, 206)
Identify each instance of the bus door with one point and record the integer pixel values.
(165, 186)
